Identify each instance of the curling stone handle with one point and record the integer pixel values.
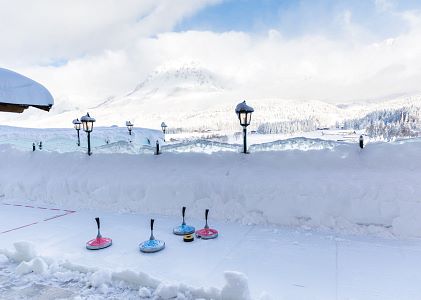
(206, 217)
(152, 237)
(183, 211)
(98, 225)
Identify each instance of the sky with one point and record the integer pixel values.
(334, 51)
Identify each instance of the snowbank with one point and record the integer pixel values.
(23, 260)
(343, 188)
(103, 139)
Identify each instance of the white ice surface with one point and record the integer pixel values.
(281, 262)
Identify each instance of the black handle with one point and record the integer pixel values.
(152, 221)
(97, 222)
(184, 211)
(206, 217)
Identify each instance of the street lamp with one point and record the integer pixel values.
(88, 125)
(129, 126)
(164, 128)
(244, 112)
(77, 124)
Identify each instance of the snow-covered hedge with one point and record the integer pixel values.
(343, 188)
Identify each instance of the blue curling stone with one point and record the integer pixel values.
(184, 229)
(151, 246)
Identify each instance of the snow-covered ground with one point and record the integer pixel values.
(269, 262)
(330, 222)
(340, 187)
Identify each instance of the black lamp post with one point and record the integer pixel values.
(164, 128)
(244, 112)
(77, 125)
(88, 125)
(129, 126)
(157, 148)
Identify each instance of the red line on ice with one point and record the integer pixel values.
(67, 212)
(27, 225)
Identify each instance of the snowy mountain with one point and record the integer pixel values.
(191, 97)
(170, 80)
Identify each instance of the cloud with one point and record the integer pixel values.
(110, 56)
(384, 5)
(44, 31)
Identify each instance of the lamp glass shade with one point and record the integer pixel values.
(88, 126)
(87, 122)
(245, 118)
(244, 113)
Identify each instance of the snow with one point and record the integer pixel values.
(319, 219)
(236, 287)
(24, 252)
(103, 139)
(37, 265)
(18, 89)
(87, 118)
(243, 107)
(343, 188)
(190, 97)
(105, 281)
(279, 262)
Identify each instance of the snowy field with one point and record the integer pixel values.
(320, 219)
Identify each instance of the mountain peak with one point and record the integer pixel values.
(174, 78)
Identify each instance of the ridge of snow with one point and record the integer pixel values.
(343, 188)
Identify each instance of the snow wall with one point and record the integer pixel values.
(376, 189)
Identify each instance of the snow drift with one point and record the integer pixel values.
(100, 282)
(376, 189)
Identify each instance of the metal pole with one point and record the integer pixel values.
(89, 143)
(157, 148)
(245, 138)
(78, 137)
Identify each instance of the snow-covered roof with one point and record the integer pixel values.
(19, 91)
(243, 107)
